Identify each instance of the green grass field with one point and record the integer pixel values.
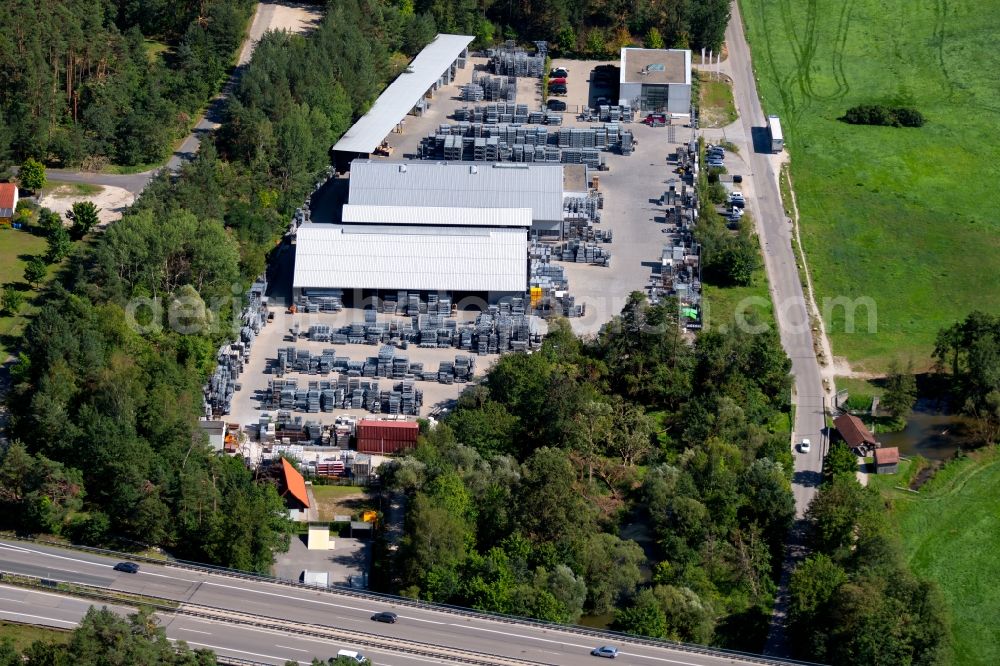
(951, 535)
(23, 635)
(723, 303)
(904, 216)
(15, 246)
(716, 107)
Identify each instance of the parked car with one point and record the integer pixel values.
(557, 90)
(601, 101)
(716, 164)
(735, 196)
(737, 178)
(385, 616)
(805, 446)
(127, 567)
(558, 81)
(656, 119)
(715, 152)
(609, 651)
(556, 105)
(559, 72)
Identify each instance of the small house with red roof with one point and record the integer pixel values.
(854, 432)
(887, 460)
(8, 203)
(293, 490)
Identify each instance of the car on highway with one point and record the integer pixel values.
(805, 446)
(556, 105)
(127, 567)
(385, 616)
(608, 651)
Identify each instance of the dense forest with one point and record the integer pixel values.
(534, 495)
(104, 637)
(110, 80)
(105, 412)
(596, 28)
(854, 599)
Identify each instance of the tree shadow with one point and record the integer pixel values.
(808, 478)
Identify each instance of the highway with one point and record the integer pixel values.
(525, 641)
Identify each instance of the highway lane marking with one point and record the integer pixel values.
(585, 647)
(28, 551)
(62, 597)
(286, 596)
(420, 619)
(286, 647)
(195, 631)
(38, 617)
(227, 649)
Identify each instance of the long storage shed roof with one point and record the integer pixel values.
(460, 185)
(403, 94)
(336, 256)
(436, 216)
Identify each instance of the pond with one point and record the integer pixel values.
(932, 432)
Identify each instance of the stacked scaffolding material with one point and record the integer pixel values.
(231, 358)
(493, 114)
(512, 60)
(584, 253)
(475, 141)
(493, 88)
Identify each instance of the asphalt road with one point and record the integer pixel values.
(208, 122)
(49, 609)
(525, 641)
(790, 305)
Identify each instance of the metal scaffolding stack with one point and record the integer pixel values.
(584, 253)
(512, 60)
(232, 357)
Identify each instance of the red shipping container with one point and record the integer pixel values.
(387, 436)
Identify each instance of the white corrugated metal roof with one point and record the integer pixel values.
(460, 185)
(334, 256)
(437, 216)
(403, 94)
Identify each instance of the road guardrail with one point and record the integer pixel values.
(379, 597)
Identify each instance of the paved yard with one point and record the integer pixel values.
(347, 561)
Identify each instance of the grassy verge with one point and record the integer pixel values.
(715, 102)
(71, 189)
(951, 535)
(724, 304)
(16, 248)
(895, 215)
(23, 635)
(340, 500)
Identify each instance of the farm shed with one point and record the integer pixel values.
(887, 460)
(854, 432)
